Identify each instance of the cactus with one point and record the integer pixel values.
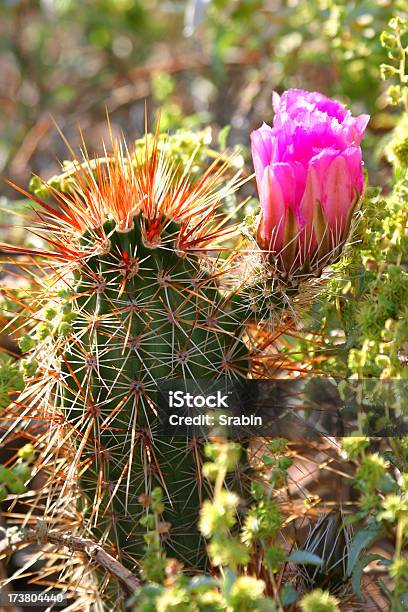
(137, 290)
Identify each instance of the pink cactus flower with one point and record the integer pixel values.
(308, 169)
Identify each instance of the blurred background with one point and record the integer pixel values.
(202, 62)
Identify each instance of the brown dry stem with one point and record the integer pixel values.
(40, 535)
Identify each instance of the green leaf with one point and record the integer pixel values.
(22, 471)
(268, 460)
(257, 490)
(358, 569)
(304, 557)
(289, 595)
(6, 476)
(363, 539)
(223, 136)
(229, 581)
(202, 583)
(17, 486)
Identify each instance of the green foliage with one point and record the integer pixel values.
(319, 601)
(372, 472)
(358, 569)
(354, 445)
(304, 557)
(278, 463)
(367, 306)
(341, 38)
(383, 505)
(367, 300)
(247, 594)
(230, 591)
(395, 40)
(14, 479)
(11, 380)
(154, 561)
(262, 521)
(219, 515)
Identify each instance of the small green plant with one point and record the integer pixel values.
(11, 380)
(364, 313)
(394, 40)
(218, 518)
(319, 601)
(14, 479)
(383, 506)
(232, 587)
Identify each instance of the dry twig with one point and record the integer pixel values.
(16, 539)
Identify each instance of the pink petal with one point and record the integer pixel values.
(261, 146)
(312, 194)
(276, 101)
(361, 124)
(353, 157)
(337, 195)
(273, 210)
(285, 175)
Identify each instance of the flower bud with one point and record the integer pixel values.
(308, 169)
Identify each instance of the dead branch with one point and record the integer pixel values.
(40, 535)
